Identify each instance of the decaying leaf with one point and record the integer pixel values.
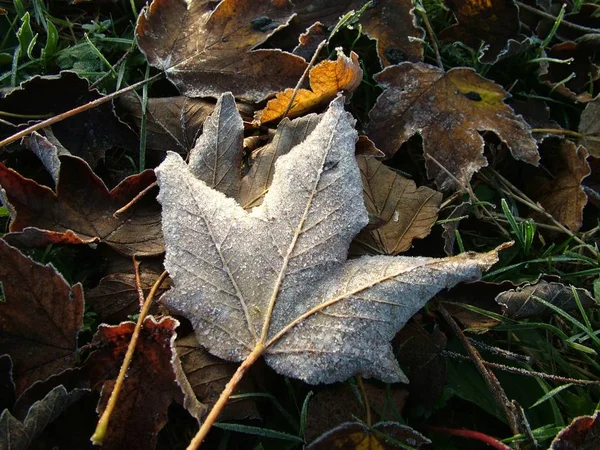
(494, 23)
(589, 126)
(55, 94)
(406, 212)
(583, 433)
(7, 384)
(338, 404)
(357, 436)
(151, 384)
(309, 40)
(571, 80)
(35, 294)
(420, 352)
(558, 188)
(521, 302)
(81, 210)
(18, 435)
(275, 282)
(207, 50)
(208, 375)
(116, 296)
(327, 79)
(447, 109)
(391, 23)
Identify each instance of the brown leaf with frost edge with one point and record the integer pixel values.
(448, 109)
(276, 281)
(206, 52)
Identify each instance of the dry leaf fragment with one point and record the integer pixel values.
(447, 109)
(589, 125)
(327, 79)
(583, 433)
(276, 280)
(406, 212)
(391, 23)
(81, 210)
(39, 317)
(558, 188)
(493, 22)
(17, 435)
(357, 436)
(206, 52)
(521, 302)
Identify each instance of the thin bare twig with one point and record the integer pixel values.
(554, 18)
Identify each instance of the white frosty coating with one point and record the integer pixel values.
(217, 155)
(227, 264)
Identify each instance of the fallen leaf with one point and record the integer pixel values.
(453, 218)
(357, 436)
(55, 94)
(116, 296)
(339, 403)
(309, 41)
(207, 50)
(150, 386)
(391, 23)
(420, 353)
(39, 317)
(17, 435)
(310, 313)
(208, 376)
(255, 184)
(536, 113)
(571, 80)
(81, 210)
(589, 126)
(447, 109)
(327, 79)
(558, 188)
(583, 433)
(521, 303)
(492, 23)
(173, 123)
(406, 212)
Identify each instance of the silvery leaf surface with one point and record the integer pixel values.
(277, 277)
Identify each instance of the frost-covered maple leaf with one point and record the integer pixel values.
(275, 281)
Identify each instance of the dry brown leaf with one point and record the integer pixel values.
(406, 212)
(589, 126)
(206, 52)
(447, 109)
(558, 188)
(327, 79)
(390, 22)
(571, 80)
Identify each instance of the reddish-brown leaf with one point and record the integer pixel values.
(448, 109)
(149, 388)
(81, 211)
(558, 187)
(493, 23)
(39, 317)
(582, 434)
(206, 51)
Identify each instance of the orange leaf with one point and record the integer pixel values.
(326, 80)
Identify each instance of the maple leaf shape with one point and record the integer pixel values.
(447, 109)
(206, 52)
(275, 281)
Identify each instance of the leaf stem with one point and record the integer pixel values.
(224, 397)
(75, 111)
(470, 434)
(363, 392)
(558, 131)
(100, 432)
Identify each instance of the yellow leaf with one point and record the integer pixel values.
(326, 80)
